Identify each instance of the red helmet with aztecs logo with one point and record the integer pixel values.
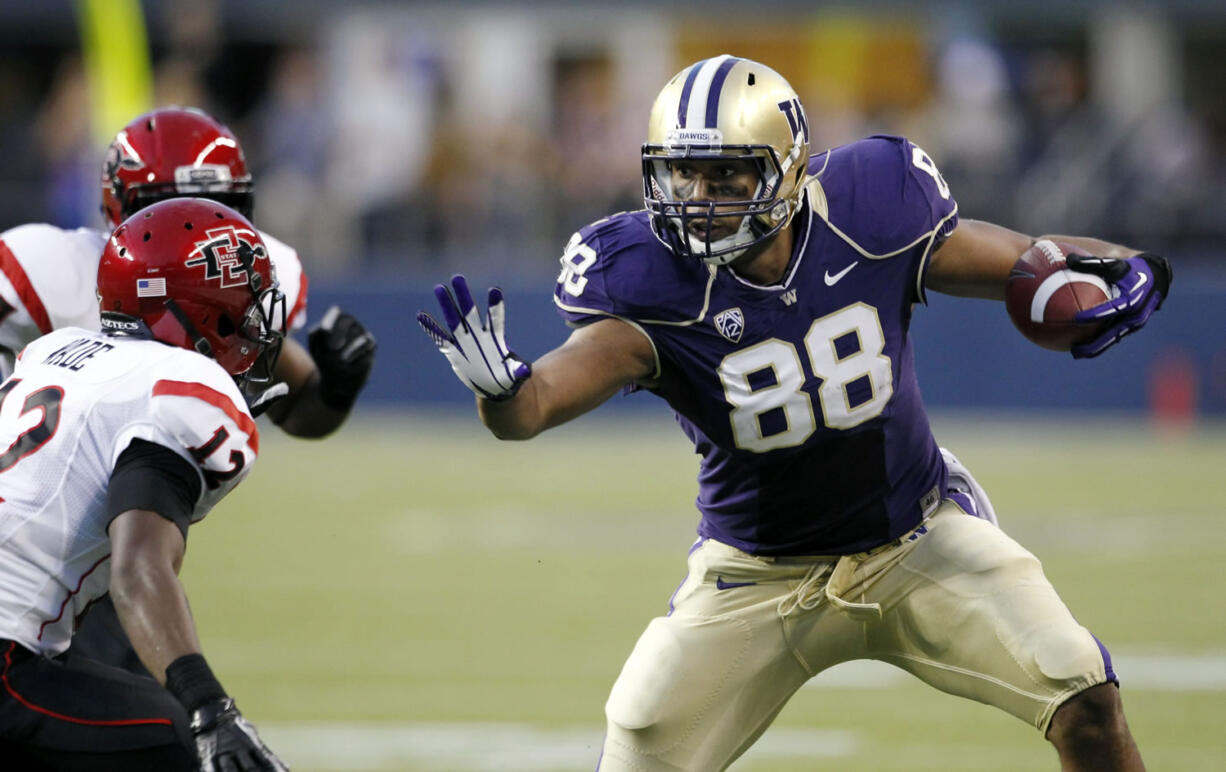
(194, 273)
(170, 152)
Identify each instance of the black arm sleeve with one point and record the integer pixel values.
(155, 478)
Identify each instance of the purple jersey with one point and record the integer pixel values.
(800, 397)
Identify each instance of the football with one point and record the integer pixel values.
(1043, 295)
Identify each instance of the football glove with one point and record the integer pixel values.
(227, 742)
(1139, 285)
(344, 352)
(475, 347)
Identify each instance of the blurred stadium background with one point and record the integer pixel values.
(411, 595)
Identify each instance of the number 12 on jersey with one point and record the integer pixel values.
(844, 349)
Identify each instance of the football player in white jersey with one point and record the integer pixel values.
(47, 273)
(119, 439)
(47, 277)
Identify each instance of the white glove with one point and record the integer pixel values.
(475, 348)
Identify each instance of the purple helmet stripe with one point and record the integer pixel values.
(684, 106)
(717, 85)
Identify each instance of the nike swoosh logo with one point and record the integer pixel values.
(833, 280)
(720, 584)
(1133, 298)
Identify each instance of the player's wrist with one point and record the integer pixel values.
(190, 679)
(338, 391)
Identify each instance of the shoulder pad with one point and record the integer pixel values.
(617, 267)
(203, 414)
(884, 195)
(49, 274)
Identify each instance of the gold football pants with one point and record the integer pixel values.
(956, 602)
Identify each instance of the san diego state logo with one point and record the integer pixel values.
(121, 155)
(730, 323)
(220, 254)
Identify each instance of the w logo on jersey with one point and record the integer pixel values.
(788, 297)
(797, 121)
(221, 255)
(730, 323)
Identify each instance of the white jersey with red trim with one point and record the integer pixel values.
(49, 279)
(74, 403)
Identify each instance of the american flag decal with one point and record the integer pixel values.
(150, 288)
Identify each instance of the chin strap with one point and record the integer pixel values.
(198, 342)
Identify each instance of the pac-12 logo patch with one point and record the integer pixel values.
(219, 254)
(730, 323)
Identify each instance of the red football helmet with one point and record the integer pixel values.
(171, 152)
(194, 273)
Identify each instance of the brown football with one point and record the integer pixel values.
(1043, 295)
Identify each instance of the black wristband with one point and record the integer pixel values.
(190, 679)
(338, 394)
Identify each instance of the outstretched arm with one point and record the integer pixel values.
(596, 362)
(517, 400)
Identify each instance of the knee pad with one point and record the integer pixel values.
(1069, 653)
(648, 677)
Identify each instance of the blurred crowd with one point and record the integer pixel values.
(380, 140)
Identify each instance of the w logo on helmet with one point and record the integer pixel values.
(222, 255)
(797, 121)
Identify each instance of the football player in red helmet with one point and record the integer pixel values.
(182, 151)
(173, 151)
(48, 282)
(203, 282)
(150, 415)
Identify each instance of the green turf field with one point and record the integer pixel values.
(414, 595)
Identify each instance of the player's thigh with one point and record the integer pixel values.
(969, 611)
(703, 681)
(75, 709)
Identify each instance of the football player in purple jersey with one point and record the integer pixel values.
(766, 295)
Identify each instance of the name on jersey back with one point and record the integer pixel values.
(75, 355)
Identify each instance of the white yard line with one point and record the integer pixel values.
(486, 747)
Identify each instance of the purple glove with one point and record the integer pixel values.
(475, 347)
(1139, 285)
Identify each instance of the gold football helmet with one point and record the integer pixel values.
(725, 108)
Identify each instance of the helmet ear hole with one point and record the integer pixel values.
(225, 326)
